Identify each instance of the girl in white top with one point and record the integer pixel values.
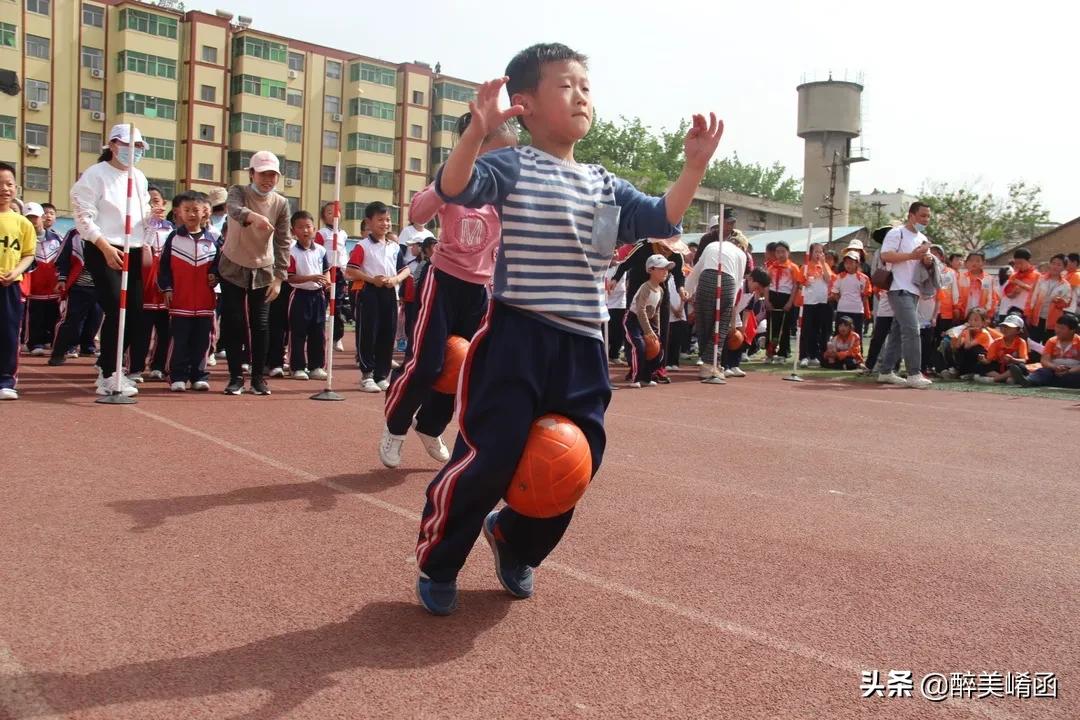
(99, 200)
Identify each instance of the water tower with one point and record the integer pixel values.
(830, 117)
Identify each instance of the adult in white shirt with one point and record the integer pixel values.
(99, 200)
(701, 284)
(902, 251)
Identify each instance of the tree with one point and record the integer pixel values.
(770, 182)
(863, 213)
(965, 219)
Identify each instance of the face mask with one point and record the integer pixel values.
(255, 189)
(920, 227)
(123, 154)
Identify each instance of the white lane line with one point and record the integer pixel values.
(747, 633)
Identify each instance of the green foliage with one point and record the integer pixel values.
(965, 219)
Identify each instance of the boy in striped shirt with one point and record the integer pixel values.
(540, 348)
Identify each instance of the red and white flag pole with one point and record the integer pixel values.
(116, 396)
(328, 339)
(794, 376)
(717, 378)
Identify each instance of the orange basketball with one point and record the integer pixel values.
(554, 469)
(456, 349)
(652, 347)
(735, 340)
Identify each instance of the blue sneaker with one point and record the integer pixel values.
(438, 598)
(516, 578)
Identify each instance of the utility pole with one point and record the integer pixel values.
(877, 208)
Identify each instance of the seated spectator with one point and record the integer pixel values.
(1060, 358)
(844, 351)
(967, 343)
(1010, 349)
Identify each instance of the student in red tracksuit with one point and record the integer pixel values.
(186, 277)
(44, 306)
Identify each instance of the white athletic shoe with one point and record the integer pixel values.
(220, 355)
(339, 346)
(634, 385)
(984, 379)
(919, 381)
(890, 378)
(735, 372)
(71, 354)
(8, 394)
(211, 360)
(178, 386)
(201, 386)
(671, 368)
(38, 352)
(318, 374)
(156, 375)
(383, 384)
(651, 383)
(815, 363)
(435, 446)
(804, 363)
(699, 363)
(106, 386)
(277, 372)
(300, 375)
(729, 373)
(246, 368)
(951, 373)
(390, 448)
(706, 371)
(368, 385)
(394, 365)
(135, 377)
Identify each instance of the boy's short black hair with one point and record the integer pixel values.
(976, 253)
(375, 208)
(782, 244)
(48, 206)
(844, 320)
(154, 188)
(523, 72)
(760, 277)
(1058, 256)
(1071, 257)
(770, 247)
(1022, 254)
(192, 196)
(300, 215)
(1069, 320)
(10, 168)
(199, 197)
(953, 256)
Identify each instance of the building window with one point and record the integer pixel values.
(152, 65)
(257, 124)
(362, 176)
(331, 139)
(37, 178)
(371, 108)
(7, 35)
(417, 97)
(371, 143)
(355, 210)
(146, 106)
(89, 143)
(333, 69)
(412, 194)
(415, 165)
(167, 187)
(272, 51)
(457, 93)
(91, 100)
(206, 171)
(37, 90)
(93, 15)
(93, 58)
(416, 131)
(254, 85)
(148, 23)
(444, 123)
(208, 93)
(373, 74)
(160, 148)
(37, 46)
(239, 160)
(7, 127)
(296, 61)
(294, 133)
(329, 174)
(37, 134)
(206, 132)
(209, 54)
(332, 104)
(295, 98)
(41, 7)
(439, 155)
(291, 169)
(294, 204)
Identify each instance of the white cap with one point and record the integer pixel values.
(419, 236)
(714, 221)
(218, 196)
(32, 208)
(658, 261)
(855, 244)
(854, 255)
(264, 160)
(120, 132)
(1013, 321)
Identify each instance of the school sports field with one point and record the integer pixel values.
(747, 551)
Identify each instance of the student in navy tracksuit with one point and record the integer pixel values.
(540, 349)
(186, 277)
(80, 317)
(382, 272)
(309, 276)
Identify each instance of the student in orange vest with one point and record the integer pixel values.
(1018, 288)
(968, 343)
(1051, 297)
(787, 277)
(844, 350)
(1009, 349)
(975, 288)
(1060, 358)
(1072, 275)
(817, 312)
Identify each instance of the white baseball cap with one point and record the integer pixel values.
(658, 261)
(33, 209)
(418, 237)
(264, 160)
(854, 255)
(120, 132)
(1013, 321)
(714, 221)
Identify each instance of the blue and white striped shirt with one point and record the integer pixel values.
(560, 224)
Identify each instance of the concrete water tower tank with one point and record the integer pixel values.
(830, 118)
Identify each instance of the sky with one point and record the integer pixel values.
(955, 92)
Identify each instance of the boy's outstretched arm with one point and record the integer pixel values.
(698, 147)
(486, 115)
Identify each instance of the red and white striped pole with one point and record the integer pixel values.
(116, 397)
(719, 298)
(328, 392)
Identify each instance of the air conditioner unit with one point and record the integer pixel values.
(33, 150)
(289, 182)
(33, 105)
(292, 75)
(97, 116)
(97, 73)
(336, 117)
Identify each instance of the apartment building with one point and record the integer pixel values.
(208, 92)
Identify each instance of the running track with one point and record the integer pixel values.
(745, 552)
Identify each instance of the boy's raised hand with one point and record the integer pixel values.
(486, 115)
(702, 140)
